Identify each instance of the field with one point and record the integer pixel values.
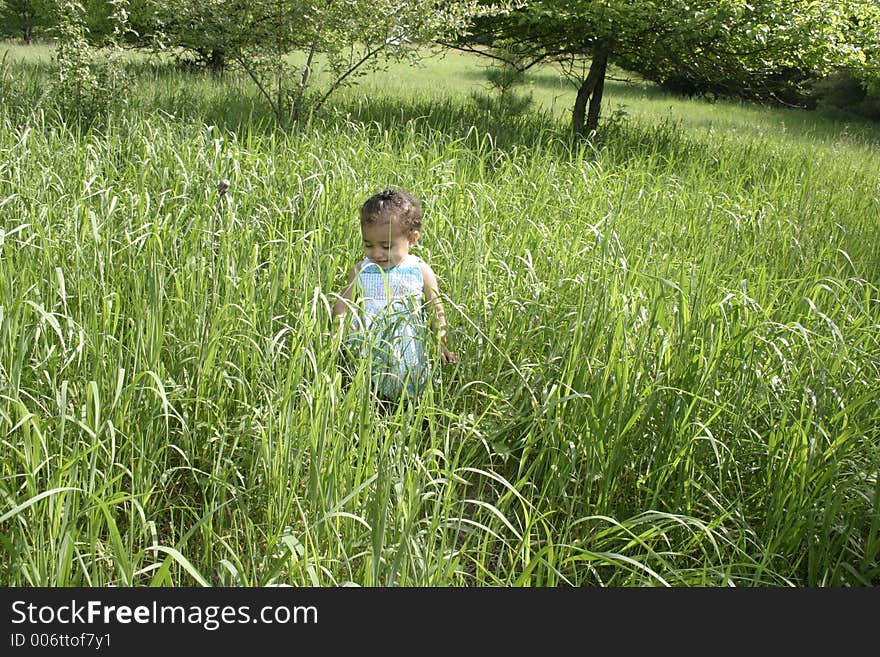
(668, 339)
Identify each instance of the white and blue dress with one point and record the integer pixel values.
(389, 329)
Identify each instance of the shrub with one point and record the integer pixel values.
(89, 78)
(844, 92)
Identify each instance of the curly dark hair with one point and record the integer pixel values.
(393, 205)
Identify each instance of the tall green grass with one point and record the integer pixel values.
(668, 340)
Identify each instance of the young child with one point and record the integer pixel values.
(389, 290)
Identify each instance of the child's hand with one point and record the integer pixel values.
(447, 356)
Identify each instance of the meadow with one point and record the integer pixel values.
(668, 341)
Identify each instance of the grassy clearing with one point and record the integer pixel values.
(669, 344)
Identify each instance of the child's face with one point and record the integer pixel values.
(387, 244)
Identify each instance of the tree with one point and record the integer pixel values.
(351, 36)
(25, 18)
(749, 47)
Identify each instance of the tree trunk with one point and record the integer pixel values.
(596, 99)
(304, 78)
(584, 119)
(579, 112)
(214, 59)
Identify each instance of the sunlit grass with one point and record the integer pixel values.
(668, 339)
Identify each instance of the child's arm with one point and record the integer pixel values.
(436, 312)
(343, 299)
